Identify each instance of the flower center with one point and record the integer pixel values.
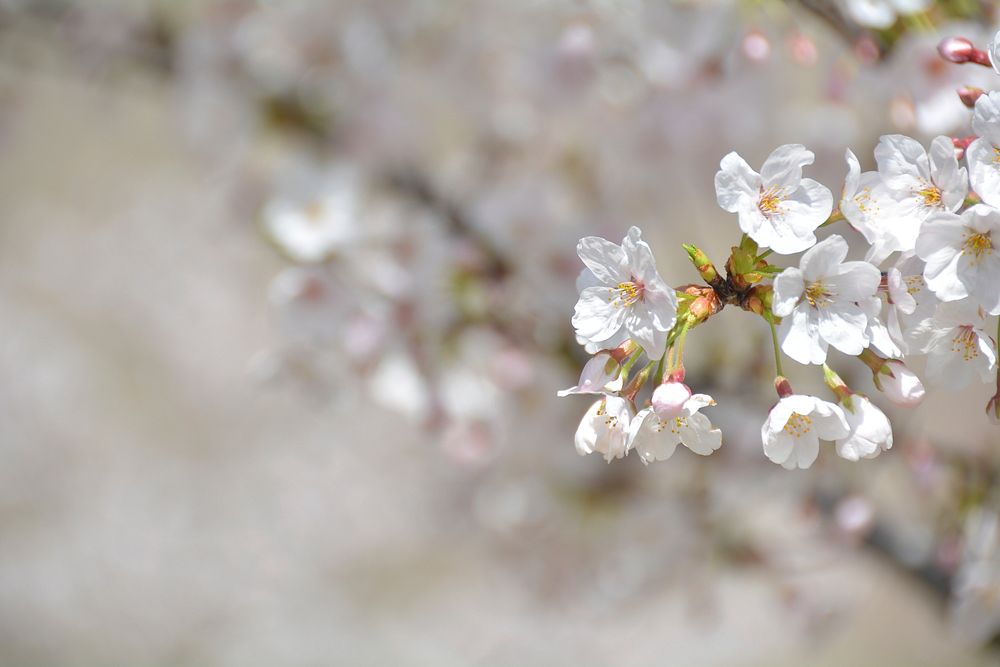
(977, 245)
(816, 295)
(625, 294)
(964, 343)
(931, 195)
(798, 425)
(913, 284)
(770, 200)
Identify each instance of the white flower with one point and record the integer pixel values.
(975, 603)
(868, 205)
(605, 429)
(656, 439)
(819, 303)
(628, 297)
(870, 433)
(958, 347)
(914, 185)
(777, 208)
(309, 305)
(316, 221)
(901, 386)
(792, 430)
(963, 256)
(601, 373)
(982, 154)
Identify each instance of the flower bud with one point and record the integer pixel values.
(899, 384)
(601, 373)
(956, 49)
(669, 399)
(969, 95)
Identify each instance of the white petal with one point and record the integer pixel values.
(735, 182)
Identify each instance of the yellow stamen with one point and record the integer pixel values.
(816, 295)
(931, 195)
(966, 343)
(977, 245)
(770, 200)
(625, 294)
(798, 425)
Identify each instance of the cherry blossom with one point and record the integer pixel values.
(959, 348)
(794, 427)
(870, 432)
(656, 439)
(605, 429)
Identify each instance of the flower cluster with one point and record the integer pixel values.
(929, 285)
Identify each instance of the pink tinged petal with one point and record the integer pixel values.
(639, 257)
(783, 167)
(735, 182)
(788, 289)
(597, 317)
(800, 338)
(605, 259)
(902, 162)
(601, 373)
(697, 402)
(697, 434)
(823, 259)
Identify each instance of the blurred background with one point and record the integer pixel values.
(228, 442)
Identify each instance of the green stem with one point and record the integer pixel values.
(679, 358)
(659, 368)
(630, 362)
(836, 216)
(774, 341)
(763, 255)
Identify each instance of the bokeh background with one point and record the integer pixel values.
(214, 454)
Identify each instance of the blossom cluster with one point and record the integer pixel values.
(929, 285)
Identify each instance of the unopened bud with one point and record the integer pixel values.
(702, 263)
(782, 386)
(960, 50)
(969, 95)
(669, 398)
(899, 384)
(956, 49)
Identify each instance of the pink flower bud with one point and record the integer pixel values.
(899, 384)
(669, 399)
(956, 49)
(969, 95)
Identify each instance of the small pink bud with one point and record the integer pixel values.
(899, 384)
(669, 399)
(956, 49)
(969, 95)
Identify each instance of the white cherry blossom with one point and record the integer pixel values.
(881, 14)
(994, 52)
(316, 219)
(963, 256)
(626, 297)
(794, 427)
(870, 434)
(959, 348)
(656, 439)
(777, 207)
(901, 386)
(983, 153)
(914, 185)
(826, 301)
(605, 429)
(911, 304)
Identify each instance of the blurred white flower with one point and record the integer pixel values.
(656, 439)
(312, 224)
(794, 427)
(983, 153)
(819, 303)
(777, 208)
(626, 297)
(881, 14)
(962, 260)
